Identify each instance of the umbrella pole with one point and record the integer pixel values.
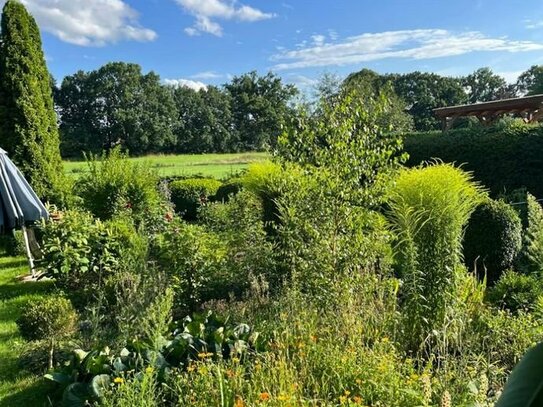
(28, 252)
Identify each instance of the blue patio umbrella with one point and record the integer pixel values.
(19, 204)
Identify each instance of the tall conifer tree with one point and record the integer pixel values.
(28, 122)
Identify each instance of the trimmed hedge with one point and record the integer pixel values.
(189, 194)
(493, 239)
(227, 190)
(503, 158)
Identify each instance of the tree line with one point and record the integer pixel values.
(118, 104)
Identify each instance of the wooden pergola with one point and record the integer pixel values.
(530, 108)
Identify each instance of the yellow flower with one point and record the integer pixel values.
(191, 368)
(282, 397)
(358, 381)
(149, 370)
(342, 399)
(235, 360)
(202, 355)
(264, 396)
(347, 392)
(118, 380)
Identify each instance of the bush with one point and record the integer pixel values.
(492, 240)
(530, 259)
(13, 244)
(115, 184)
(52, 318)
(80, 252)
(249, 254)
(228, 190)
(189, 195)
(502, 158)
(192, 257)
(430, 207)
(516, 292)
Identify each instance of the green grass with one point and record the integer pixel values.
(17, 388)
(211, 165)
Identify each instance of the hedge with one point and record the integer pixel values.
(502, 158)
(493, 239)
(189, 194)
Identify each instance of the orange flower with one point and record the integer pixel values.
(357, 400)
(264, 396)
(239, 402)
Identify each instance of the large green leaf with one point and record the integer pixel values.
(524, 388)
(75, 395)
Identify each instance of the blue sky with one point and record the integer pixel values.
(207, 41)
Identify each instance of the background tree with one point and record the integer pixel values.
(368, 85)
(424, 92)
(484, 86)
(28, 122)
(260, 108)
(530, 82)
(116, 105)
(204, 120)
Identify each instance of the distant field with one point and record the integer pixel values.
(212, 165)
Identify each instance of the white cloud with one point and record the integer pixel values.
(207, 75)
(408, 44)
(318, 40)
(207, 10)
(532, 24)
(196, 85)
(302, 82)
(89, 23)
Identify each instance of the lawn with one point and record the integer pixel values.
(17, 388)
(211, 165)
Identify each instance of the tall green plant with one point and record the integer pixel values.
(430, 207)
(28, 123)
(531, 255)
(338, 165)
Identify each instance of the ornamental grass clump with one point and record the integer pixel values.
(429, 209)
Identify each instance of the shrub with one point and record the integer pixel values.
(493, 239)
(249, 254)
(80, 252)
(189, 195)
(531, 256)
(516, 292)
(227, 190)
(13, 244)
(115, 184)
(51, 319)
(192, 257)
(430, 207)
(502, 159)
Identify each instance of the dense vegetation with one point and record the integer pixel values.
(28, 123)
(331, 275)
(117, 104)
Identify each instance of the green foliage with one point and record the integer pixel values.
(28, 123)
(205, 118)
(503, 158)
(517, 292)
(114, 185)
(429, 208)
(338, 165)
(116, 105)
(250, 255)
(190, 194)
(483, 85)
(80, 252)
(46, 318)
(530, 82)
(51, 319)
(531, 256)
(420, 91)
(205, 336)
(492, 240)
(260, 109)
(524, 387)
(192, 257)
(227, 190)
